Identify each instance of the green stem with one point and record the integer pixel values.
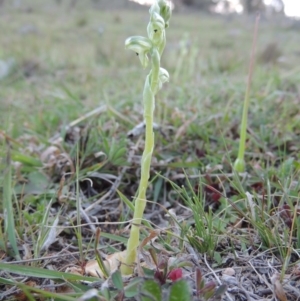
(239, 164)
(150, 88)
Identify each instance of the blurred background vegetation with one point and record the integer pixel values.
(62, 53)
(221, 6)
(229, 6)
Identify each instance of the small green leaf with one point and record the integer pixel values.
(180, 291)
(106, 293)
(217, 257)
(151, 291)
(287, 167)
(297, 165)
(148, 272)
(132, 288)
(220, 290)
(37, 184)
(117, 280)
(181, 264)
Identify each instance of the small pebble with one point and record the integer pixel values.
(229, 272)
(230, 280)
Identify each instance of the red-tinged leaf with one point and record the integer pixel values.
(159, 276)
(208, 290)
(215, 197)
(198, 279)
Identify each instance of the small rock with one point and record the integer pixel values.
(229, 272)
(6, 67)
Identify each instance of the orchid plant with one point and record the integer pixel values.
(148, 49)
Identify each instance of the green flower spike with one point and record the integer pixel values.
(150, 48)
(141, 46)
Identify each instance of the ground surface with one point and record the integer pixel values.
(69, 102)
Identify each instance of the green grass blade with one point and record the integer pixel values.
(26, 160)
(54, 296)
(26, 289)
(43, 273)
(298, 232)
(114, 237)
(124, 199)
(6, 281)
(8, 206)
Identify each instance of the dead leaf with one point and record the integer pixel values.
(23, 297)
(139, 129)
(64, 289)
(51, 236)
(296, 270)
(112, 263)
(153, 234)
(74, 270)
(278, 288)
(90, 294)
(50, 154)
(27, 252)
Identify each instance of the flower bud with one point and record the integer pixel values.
(156, 28)
(175, 274)
(157, 21)
(141, 46)
(163, 77)
(165, 11)
(155, 8)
